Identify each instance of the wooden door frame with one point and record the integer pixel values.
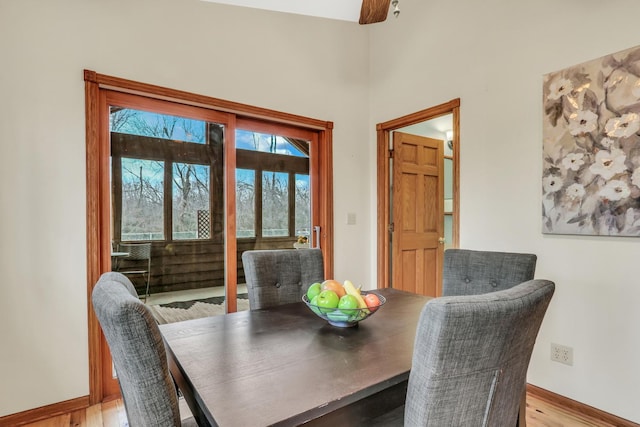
(98, 200)
(383, 131)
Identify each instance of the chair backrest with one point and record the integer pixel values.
(281, 276)
(471, 355)
(467, 272)
(136, 251)
(138, 353)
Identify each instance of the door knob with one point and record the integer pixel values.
(441, 240)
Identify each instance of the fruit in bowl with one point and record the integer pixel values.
(335, 286)
(343, 308)
(372, 300)
(314, 290)
(348, 305)
(328, 301)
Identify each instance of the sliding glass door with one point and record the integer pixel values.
(178, 188)
(167, 190)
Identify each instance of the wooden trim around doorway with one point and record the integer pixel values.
(98, 199)
(384, 203)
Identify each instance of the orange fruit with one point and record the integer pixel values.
(335, 286)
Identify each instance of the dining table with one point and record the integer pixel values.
(285, 366)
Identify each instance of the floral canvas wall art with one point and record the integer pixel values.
(591, 147)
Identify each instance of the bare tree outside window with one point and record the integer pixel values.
(245, 203)
(142, 123)
(303, 205)
(190, 195)
(143, 197)
(275, 187)
(143, 182)
(275, 204)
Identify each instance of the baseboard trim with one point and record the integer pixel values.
(578, 408)
(44, 412)
(67, 406)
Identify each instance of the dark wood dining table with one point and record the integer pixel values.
(285, 366)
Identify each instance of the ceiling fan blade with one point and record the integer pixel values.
(373, 11)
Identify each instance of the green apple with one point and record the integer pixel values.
(348, 304)
(328, 301)
(314, 290)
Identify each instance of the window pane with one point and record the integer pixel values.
(142, 199)
(303, 206)
(144, 123)
(448, 178)
(275, 204)
(448, 231)
(191, 201)
(245, 203)
(255, 141)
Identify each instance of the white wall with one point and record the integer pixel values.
(295, 64)
(492, 55)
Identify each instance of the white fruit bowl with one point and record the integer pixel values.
(345, 318)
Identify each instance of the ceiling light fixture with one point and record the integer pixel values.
(396, 9)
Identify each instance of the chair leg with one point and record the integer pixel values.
(522, 413)
(147, 280)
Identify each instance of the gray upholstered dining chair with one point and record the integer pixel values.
(467, 272)
(470, 358)
(138, 353)
(280, 276)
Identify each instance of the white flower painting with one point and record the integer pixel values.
(591, 147)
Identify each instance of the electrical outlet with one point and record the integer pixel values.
(562, 354)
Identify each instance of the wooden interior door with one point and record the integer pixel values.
(418, 206)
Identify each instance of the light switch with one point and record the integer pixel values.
(351, 218)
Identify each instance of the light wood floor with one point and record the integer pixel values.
(539, 414)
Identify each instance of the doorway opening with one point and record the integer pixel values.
(441, 123)
(179, 192)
